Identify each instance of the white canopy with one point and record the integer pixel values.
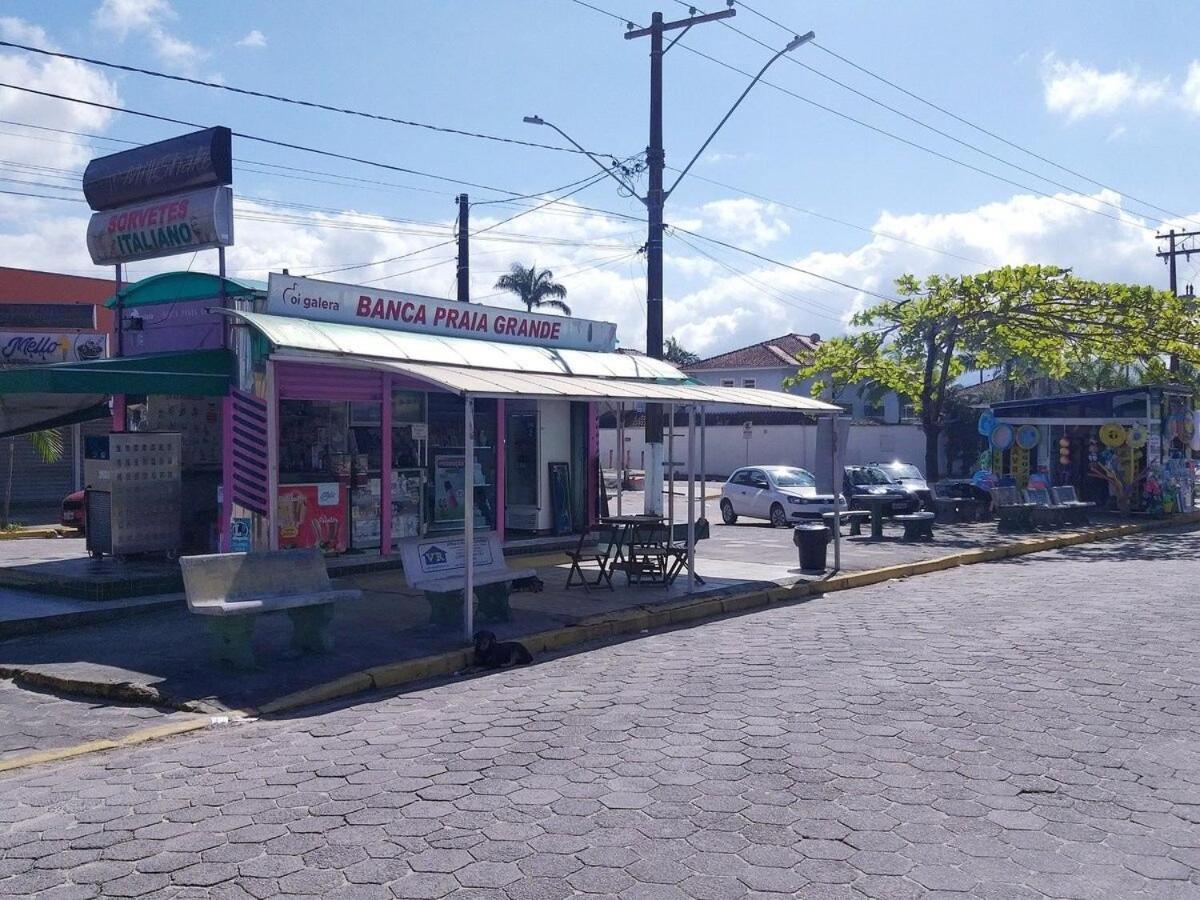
(479, 368)
(464, 380)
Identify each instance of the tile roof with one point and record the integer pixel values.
(775, 353)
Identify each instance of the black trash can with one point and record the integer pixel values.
(811, 538)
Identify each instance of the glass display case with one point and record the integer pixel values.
(447, 463)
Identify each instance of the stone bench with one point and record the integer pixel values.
(232, 589)
(918, 526)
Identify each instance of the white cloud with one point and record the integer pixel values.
(1189, 94)
(254, 39)
(1079, 91)
(744, 220)
(30, 147)
(148, 18)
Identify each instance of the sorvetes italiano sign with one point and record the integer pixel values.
(325, 301)
(163, 226)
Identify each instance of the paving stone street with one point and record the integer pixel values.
(1020, 729)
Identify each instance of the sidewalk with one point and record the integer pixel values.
(161, 657)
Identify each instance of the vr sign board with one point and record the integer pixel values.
(161, 199)
(305, 298)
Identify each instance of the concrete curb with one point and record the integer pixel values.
(130, 740)
(628, 621)
(36, 531)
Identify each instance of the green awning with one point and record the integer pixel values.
(203, 373)
(177, 287)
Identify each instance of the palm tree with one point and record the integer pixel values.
(536, 288)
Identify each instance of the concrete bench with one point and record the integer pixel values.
(438, 566)
(918, 526)
(855, 517)
(231, 589)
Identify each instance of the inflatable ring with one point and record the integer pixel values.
(1112, 434)
(1002, 436)
(1138, 436)
(1028, 437)
(987, 422)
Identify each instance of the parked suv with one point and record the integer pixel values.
(778, 494)
(909, 476)
(860, 481)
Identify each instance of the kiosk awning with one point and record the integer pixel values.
(478, 382)
(194, 373)
(36, 397)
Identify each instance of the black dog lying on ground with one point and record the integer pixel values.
(493, 654)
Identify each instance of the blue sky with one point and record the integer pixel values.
(1103, 89)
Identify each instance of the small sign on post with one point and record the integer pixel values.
(239, 535)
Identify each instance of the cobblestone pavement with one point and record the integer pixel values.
(1011, 730)
(31, 720)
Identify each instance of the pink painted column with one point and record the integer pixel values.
(226, 507)
(501, 434)
(385, 469)
(118, 414)
(591, 467)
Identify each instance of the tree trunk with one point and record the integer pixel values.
(12, 446)
(932, 433)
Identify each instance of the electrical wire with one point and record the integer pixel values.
(262, 95)
(941, 132)
(906, 141)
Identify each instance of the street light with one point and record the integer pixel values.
(655, 200)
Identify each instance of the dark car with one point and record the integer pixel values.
(862, 481)
(72, 511)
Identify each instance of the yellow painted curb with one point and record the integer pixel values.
(23, 533)
(641, 619)
(319, 693)
(130, 740)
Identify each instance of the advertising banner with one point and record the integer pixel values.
(313, 515)
(25, 348)
(176, 165)
(162, 227)
(325, 301)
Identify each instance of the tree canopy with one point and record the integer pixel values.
(919, 344)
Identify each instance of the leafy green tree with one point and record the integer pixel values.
(919, 345)
(536, 288)
(48, 445)
(674, 352)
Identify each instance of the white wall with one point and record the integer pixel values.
(726, 447)
(554, 424)
(852, 397)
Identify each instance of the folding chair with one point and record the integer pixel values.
(590, 554)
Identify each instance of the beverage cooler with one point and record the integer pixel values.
(134, 499)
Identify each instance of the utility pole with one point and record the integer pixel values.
(464, 249)
(1177, 245)
(656, 160)
(655, 200)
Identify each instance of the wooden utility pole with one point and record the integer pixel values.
(464, 248)
(1177, 245)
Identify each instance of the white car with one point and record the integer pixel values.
(778, 494)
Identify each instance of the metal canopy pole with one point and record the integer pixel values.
(620, 454)
(691, 512)
(703, 470)
(469, 516)
(837, 506)
(670, 467)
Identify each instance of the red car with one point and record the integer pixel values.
(72, 511)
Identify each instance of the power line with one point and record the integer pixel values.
(262, 95)
(262, 140)
(904, 140)
(781, 264)
(952, 115)
(821, 311)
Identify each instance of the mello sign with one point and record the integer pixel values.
(304, 298)
(161, 227)
(29, 347)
